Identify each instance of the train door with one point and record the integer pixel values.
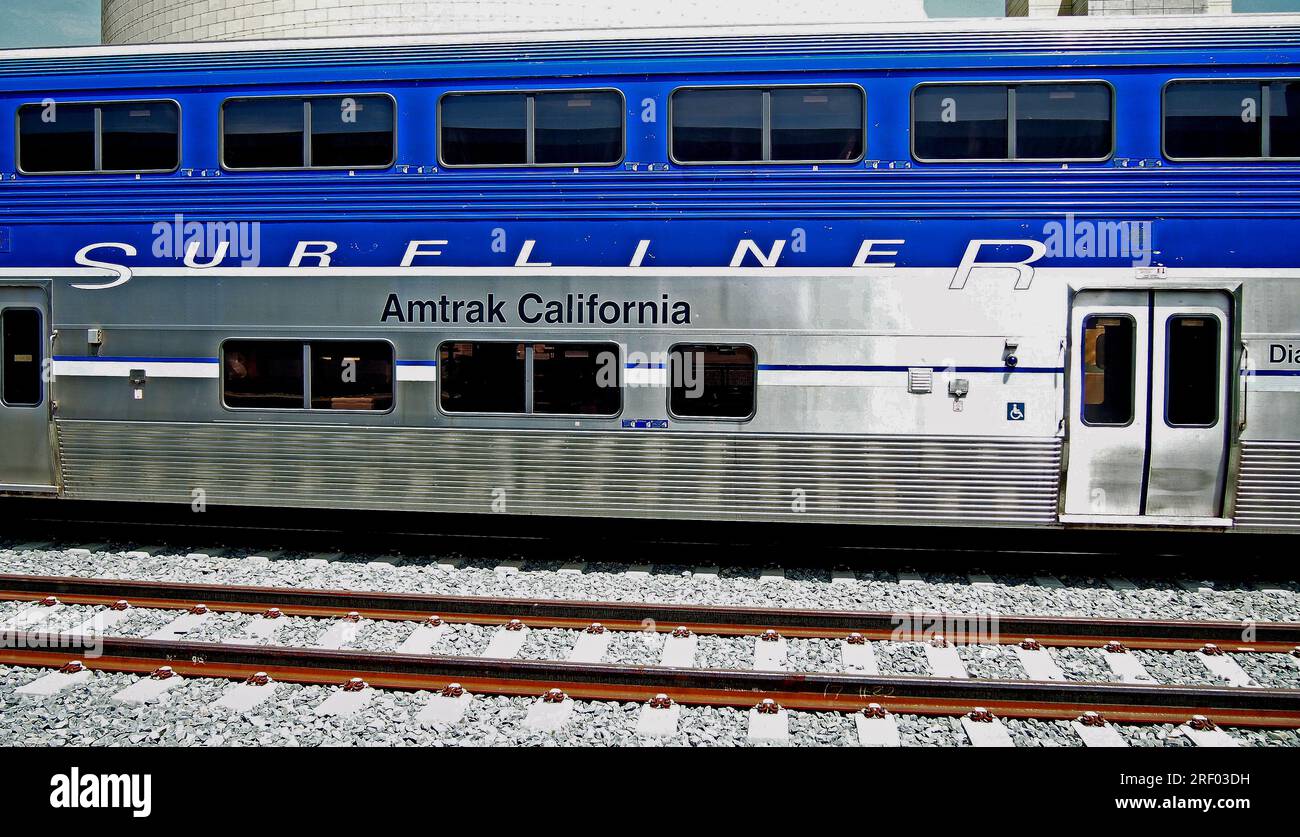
(1150, 406)
(26, 462)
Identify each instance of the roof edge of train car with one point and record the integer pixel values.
(951, 30)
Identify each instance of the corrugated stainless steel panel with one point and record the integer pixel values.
(1268, 487)
(742, 476)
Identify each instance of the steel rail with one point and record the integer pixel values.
(972, 628)
(598, 681)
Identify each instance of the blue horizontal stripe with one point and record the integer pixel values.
(124, 359)
(645, 366)
(1272, 373)
(417, 363)
(798, 367)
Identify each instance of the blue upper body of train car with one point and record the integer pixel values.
(807, 148)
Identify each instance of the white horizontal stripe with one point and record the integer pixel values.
(122, 369)
(829, 378)
(417, 373)
(644, 377)
(1280, 383)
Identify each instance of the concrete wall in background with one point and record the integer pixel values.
(153, 21)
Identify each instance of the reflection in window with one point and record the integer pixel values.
(345, 132)
(263, 134)
(709, 381)
(352, 131)
(108, 137)
(569, 128)
(479, 377)
(576, 378)
(577, 128)
(1192, 371)
(1108, 357)
(1284, 119)
(1214, 119)
(817, 123)
(140, 136)
(723, 126)
(1062, 121)
(961, 122)
(484, 129)
(265, 374)
(351, 375)
(778, 124)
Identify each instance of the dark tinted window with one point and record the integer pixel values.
(264, 133)
(142, 136)
(1213, 119)
(1062, 121)
(723, 126)
(960, 122)
(351, 375)
(1284, 119)
(711, 381)
(1192, 371)
(811, 123)
(21, 340)
(484, 129)
(56, 138)
(263, 374)
(573, 128)
(349, 131)
(482, 377)
(1108, 356)
(576, 378)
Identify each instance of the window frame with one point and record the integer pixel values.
(304, 99)
(1265, 115)
(306, 343)
(668, 387)
(1011, 85)
(99, 137)
(530, 131)
(1133, 371)
(1220, 328)
(766, 128)
(528, 380)
(42, 338)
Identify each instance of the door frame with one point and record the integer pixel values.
(1234, 417)
(44, 288)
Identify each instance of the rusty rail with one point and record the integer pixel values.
(598, 681)
(1058, 631)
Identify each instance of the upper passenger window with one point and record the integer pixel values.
(115, 137)
(997, 122)
(768, 125)
(1212, 119)
(1284, 119)
(1232, 120)
(563, 128)
(960, 122)
(345, 132)
(1062, 121)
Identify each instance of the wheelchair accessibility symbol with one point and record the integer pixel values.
(1015, 411)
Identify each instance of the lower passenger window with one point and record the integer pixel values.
(576, 379)
(711, 381)
(263, 373)
(20, 341)
(573, 379)
(1108, 356)
(352, 375)
(482, 377)
(297, 375)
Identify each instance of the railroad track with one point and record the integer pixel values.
(843, 691)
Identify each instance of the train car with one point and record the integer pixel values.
(1037, 273)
